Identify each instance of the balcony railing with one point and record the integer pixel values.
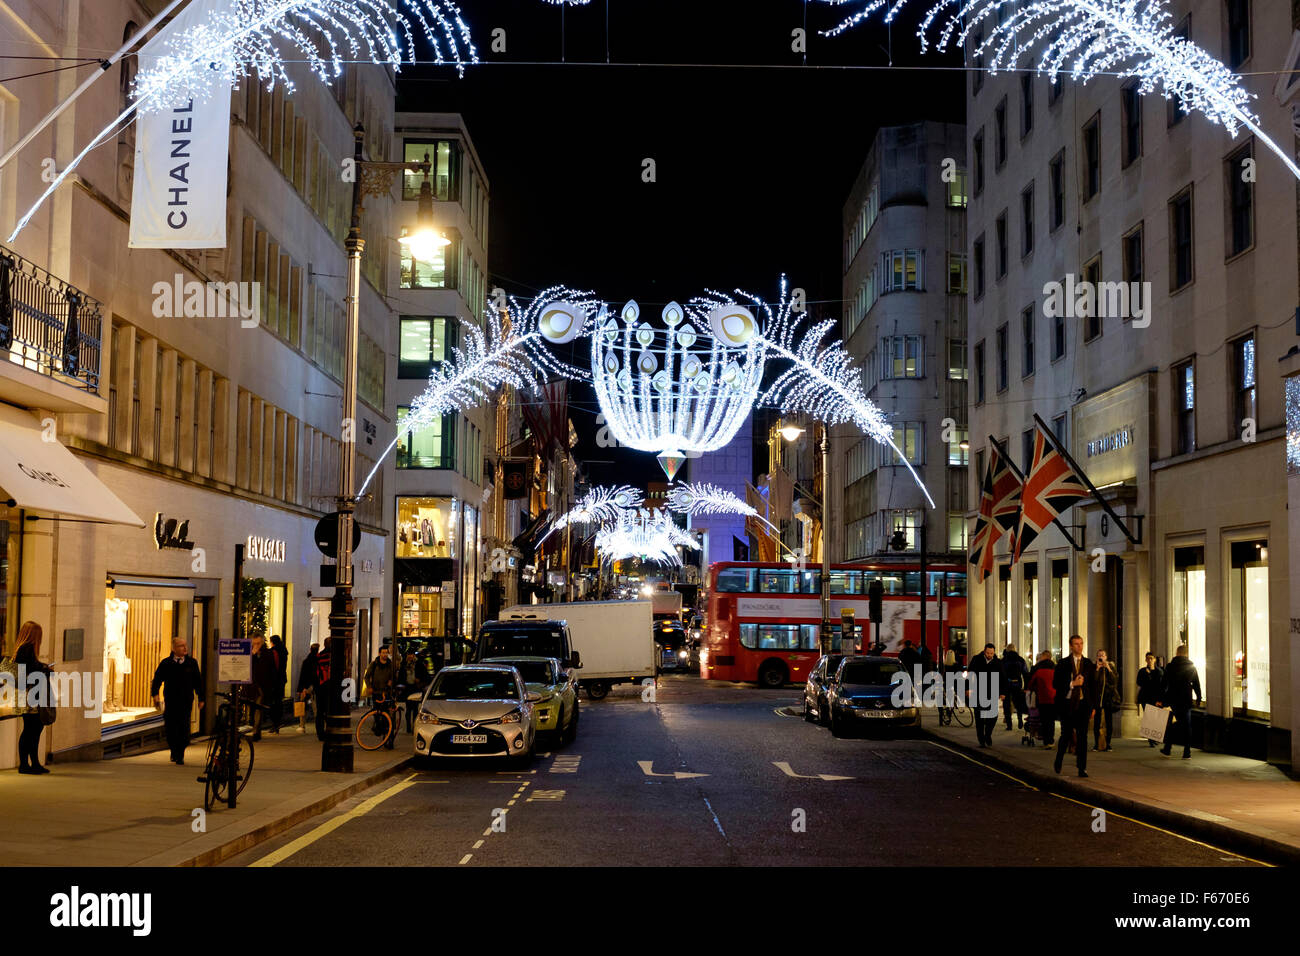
(47, 325)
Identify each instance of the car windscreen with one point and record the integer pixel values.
(670, 635)
(876, 673)
(474, 685)
(524, 642)
(533, 672)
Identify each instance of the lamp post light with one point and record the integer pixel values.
(371, 179)
(791, 433)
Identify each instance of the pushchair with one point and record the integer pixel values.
(1033, 730)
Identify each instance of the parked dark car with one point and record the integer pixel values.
(861, 695)
(815, 708)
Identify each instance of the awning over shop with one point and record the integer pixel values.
(41, 475)
(151, 589)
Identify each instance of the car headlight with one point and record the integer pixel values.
(683, 655)
(425, 717)
(510, 718)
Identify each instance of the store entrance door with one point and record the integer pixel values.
(202, 649)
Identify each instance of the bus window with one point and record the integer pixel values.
(811, 637)
(912, 582)
(749, 636)
(847, 582)
(735, 580)
(891, 583)
(778, 637)
(810, 582)
(778, 581)
(956, 584)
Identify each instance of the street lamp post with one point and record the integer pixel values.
(370, 179)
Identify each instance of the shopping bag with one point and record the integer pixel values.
(300, 708)
(1155, 720)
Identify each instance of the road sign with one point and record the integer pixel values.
(327, 535)
(234, 661)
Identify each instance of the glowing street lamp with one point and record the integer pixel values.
(423, 244)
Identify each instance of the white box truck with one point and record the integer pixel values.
(614, 639)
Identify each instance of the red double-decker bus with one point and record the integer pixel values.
(764, 620)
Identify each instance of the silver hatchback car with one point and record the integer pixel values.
(476, 710)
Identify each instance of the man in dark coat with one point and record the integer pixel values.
(909, 658)
(309, 683)
(1181, 682)
(1015, 674)
(1150, 681)
(1076, 698)
(986, 663)
(179, 678)
(281, 653)
(266, 681)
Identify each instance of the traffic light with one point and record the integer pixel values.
(875, 601)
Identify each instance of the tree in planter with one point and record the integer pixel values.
(253, 594)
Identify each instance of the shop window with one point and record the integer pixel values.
(1030, 638)
(138, 634)
(1004, 607)
(426, 527)
(1248, 627)
(1187, 605)
(1060, 600)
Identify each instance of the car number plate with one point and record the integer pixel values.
(880, 713)
(469, 738)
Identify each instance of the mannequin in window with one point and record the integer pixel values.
(116, 663)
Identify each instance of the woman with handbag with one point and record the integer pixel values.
(34, 714)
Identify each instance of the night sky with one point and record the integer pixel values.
(754, 157)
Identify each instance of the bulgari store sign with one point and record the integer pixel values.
(1111, 433)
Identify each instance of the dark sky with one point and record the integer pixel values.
(754, 152)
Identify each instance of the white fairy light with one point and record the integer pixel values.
(1085, 38)
(641, 533)
(507, 352)
(662, 392)
(822, 380)
(700, 499)
(598, 506)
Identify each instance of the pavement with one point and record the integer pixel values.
(146, 811)
(707, 774)
(1248, 805)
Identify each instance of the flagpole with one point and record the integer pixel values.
(1069, 460)
(1020, 475)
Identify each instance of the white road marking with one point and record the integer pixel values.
(785, 769)
(647, 767)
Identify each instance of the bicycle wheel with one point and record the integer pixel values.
(244, 768)
(373, 729)
(214, 776)
(963, 716)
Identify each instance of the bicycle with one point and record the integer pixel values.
(222, 778)
(377, 726)
(962, 715)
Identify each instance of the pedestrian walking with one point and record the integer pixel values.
(1040, 683)
(1181, 683)
(1015, 673)
(909, 658)
(381, 678)
(27, 655)
(408, 683)
(1076, 699)
(309, 685)
(1150, 680)
(180, 680)
(281, 653)
(1108, 701)
(986, 663)
(265, 675)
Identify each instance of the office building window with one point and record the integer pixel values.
(1180, 240)
(1131, 108)
(1056, 176)
(1092, 157)
(1027, 319)
(957, 455)
(979, 372)
(1248, 615)
(1058, 335)
(1026, 449)
(957, 190)
(1092, 313)
(902, 356)
(438, 273)
(426, 341)
(957, 360)
(444, 171)
(956, 273)
(977, 153)
(1026, 103)
(1002, 243)
(956, 532)
(910, 439)
(1001, 346)
(903, 270)
(1238, 33)
(1000, 131)
(1240, 194)
(432, 446)
(1133, 271)
(1058, 428)
(1243, 380)
(979, 266)
(1027, 220)
(1184, 379)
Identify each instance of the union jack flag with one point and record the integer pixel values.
(1050, 488)
(998, 513)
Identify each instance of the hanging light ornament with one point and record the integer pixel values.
(683, 388)
(598, 506)
(642, 533)
(1084, 38)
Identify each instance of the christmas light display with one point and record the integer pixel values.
(1085, 38)
(822, 380)
(598, 506)
(504, 352)
(641, 533)
(677, 389)
(701, 499)
(244, 39)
